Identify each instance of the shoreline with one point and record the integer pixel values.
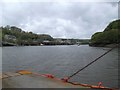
(107, 46)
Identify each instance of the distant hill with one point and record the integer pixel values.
(0, 35)
(15, 35)
(111, 35)
(113, 25)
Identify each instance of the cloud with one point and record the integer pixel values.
(60, 19)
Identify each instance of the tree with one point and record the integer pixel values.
(110, 35)
(22, 36)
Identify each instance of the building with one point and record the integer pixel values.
(10, 37)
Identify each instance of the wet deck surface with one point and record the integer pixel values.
(33, 81)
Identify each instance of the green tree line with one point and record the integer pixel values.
(111, 35)
(22, 37)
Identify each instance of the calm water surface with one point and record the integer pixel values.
(63, 61)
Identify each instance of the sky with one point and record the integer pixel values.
(59, 18)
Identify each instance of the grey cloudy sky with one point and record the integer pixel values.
(60, 19)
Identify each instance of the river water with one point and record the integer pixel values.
(63, 61)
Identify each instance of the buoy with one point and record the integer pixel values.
(100, 84)
(65, 79)
(49, 75)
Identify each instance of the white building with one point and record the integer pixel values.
(10, 37)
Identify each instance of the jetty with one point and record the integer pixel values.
(27, 79)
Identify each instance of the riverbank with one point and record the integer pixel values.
(112, 45)
(108, 45)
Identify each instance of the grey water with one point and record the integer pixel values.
(63, 61)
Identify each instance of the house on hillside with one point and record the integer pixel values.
(59, 40)
(10, 37)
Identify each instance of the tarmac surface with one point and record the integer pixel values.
(15, 80)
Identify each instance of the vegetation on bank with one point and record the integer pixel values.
(111, 35)
(0, 35)
(12, 35)
(16, 36)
